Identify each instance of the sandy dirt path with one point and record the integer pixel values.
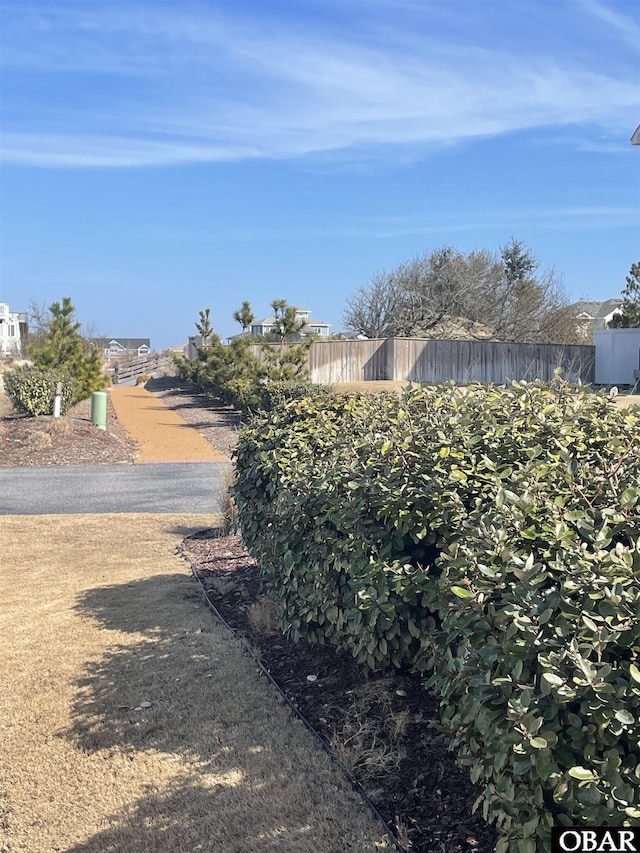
(162, 435)
(131, 722)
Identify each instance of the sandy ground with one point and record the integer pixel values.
(162, 435)
(130, 721)
(625, 400)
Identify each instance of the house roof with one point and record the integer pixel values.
(635, 139)
(591, 310)
(125, 343)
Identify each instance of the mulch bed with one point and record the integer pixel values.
(71, 440)
(74, 440)
(384, 726)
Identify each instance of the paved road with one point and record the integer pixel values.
(192, 487)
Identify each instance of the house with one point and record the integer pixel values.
(13, 331)
(119, 349)
(310, 327)
(591, 316)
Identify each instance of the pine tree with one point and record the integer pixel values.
(285, 365)
(629, 318)
(244, 316)
(205, 330)
(63, 347)
(286, 323)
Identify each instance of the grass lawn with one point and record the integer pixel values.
(131, 721)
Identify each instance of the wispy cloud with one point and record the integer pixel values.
(192, 86)
(576, 217)
(626, 28)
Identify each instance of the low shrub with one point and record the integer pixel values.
(32, 390)
(273, 393)
(487, 537)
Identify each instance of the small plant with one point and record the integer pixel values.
(40, 440)
(262, 616)
(222, 586)
(58, 426)
(370, 747)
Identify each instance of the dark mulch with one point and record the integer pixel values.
(385, 726)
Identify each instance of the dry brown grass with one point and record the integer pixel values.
(40, 440)
(5, 406)
(262, 616)
(131, 722)
(368, 737)
(58, 426)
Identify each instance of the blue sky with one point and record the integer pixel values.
(159, 158)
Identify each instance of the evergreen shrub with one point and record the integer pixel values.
(488, 538)
(32, 390)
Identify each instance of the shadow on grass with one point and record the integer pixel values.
(198, 531)
(164, 661)
(227, 768)
(195, 817)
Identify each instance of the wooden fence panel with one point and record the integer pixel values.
(490, 361)
(429, 360)
(349, 361)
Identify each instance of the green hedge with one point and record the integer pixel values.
(32, 390)
(487, 537)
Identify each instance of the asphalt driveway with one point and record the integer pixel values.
(193, 487)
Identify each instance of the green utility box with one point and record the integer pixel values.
(99, 409)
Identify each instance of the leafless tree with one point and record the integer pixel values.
(375, 311)
(478, 294)
(38, 322)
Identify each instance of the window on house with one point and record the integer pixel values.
(12, 331)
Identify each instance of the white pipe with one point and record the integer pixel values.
(57, 402)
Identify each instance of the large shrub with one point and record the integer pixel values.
(486, 536)
(32, 390)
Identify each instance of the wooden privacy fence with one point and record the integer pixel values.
(422, 360)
